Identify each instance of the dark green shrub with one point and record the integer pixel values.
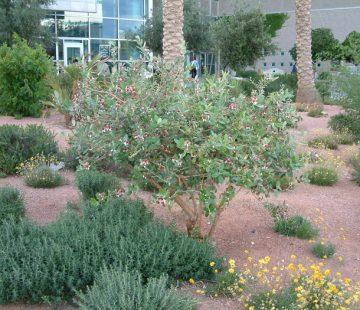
(248, 74)
(323, 250)
(92, 182)
(296, 226)
(286, 81)
(55, 260)
(344, 138)
(323, 176)
(323, 85)
(116, 289)
(18, 144)
(284, 182)
(23, 79)
(70, 159)
(328, 142)
(43, 177)
(11, 204)
(346, 123)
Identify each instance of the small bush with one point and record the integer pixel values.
(18, 144)
(277, 212)
(43, 177)
(316, 112)
(355, 163)
(323, 250)
(323, 176)
(11, 204)
(284, 183)
(346, 123)
(344, 138)
(23, 79)
(56, 260)
(328, 142)
(296, 226)
(71, 159)
(283, 300)
(285, 81)
(116, 289)
(92, 182)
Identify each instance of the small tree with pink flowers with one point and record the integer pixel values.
(194, 142)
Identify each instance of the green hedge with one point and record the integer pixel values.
(52, 262)
(11, 204)
(18, 144)
(116, 289)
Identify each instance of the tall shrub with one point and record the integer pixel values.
(195, 143)
(23, 78)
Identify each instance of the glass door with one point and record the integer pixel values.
(73, 53)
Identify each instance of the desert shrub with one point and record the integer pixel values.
(277, 211)
(316, 111)
(296, 226)
(43, 177)
(328, 142)
(11, 204)
(116, 289)
(323, 176)
(185, 137)
(228, 282)
(284, 81)
(282, 300)
(70, 157)
(346, 122)
(53, 261)
(347, 86)
(18, 144)
(323, 250)
(344, 138)
(355, 163)
(23, 78)
(92, 182)
(324, 85)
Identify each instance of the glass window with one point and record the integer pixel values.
(265, 64)
(282, 64)
(128, 27)
(291, 64)
(282, 53)
(128, 50)
(103, 28)
(49, 24)
(72, 26)
(104, 48)
(109, 8)
(273, 64)
(133, 9)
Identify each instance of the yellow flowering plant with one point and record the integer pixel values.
(36, 162)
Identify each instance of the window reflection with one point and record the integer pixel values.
(103, 28)
(128, 28)
(133, 9)
(69, 25)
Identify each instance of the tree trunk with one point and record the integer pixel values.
(306, 92)
(173, 41)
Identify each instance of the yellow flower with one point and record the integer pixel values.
(327, 272)
(293, 256)
(231, 270)
(212, 264)
(232, 262)
(191, 281)
(340, 258)
(216, 271)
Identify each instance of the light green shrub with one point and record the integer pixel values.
(125, 290)
(323, 176)
(296, 226)
(11, 204)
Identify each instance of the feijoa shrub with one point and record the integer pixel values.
(117, 289)
(18, 144)
(11, 204)
(54, 261)
(186, 138)
(23, 78)
(93, 182)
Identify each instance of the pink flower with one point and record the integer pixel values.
(107, 128)
(254, 99)
(228, 160)
(86, 165)
(232, 106)
(130, 89)
(144, 162)
(126, 143)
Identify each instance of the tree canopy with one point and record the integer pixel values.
(324, 46)
(351, 47)
(242, 38)
(23, 17)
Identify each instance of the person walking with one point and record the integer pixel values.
(195, 67)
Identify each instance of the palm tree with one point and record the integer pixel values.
(173, 41)
(306, 92)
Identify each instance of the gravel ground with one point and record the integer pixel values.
(245, 225)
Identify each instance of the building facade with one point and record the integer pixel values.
(341, 16)
(85, 28)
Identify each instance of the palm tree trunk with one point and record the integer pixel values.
(173, 41)
(306, 92)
